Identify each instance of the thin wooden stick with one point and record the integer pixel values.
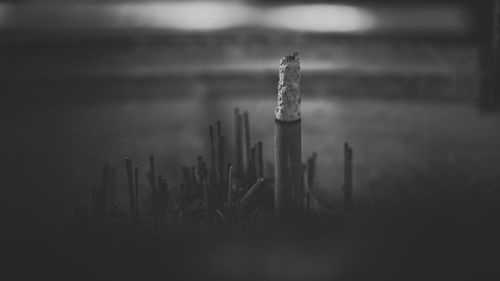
(104, 208)
(185, 192)
(152, 182)
(222, 178)
(219, 129)
(212, 169)
(200, 167)
(303, 187)
(229, 189)
(308, 203)
(253, 164)
(111, 190)
(287, 137)
(136, 178)
(246, 198)
(182, 187)
(220, 156)
(230, 183)
(246, 125)
(348, 194)
(238, 132)
(221, 215)
(130, 181)
(195, 187)
(260, 160)
(163, 199)
(163, 194)
(205, 192)
(311, 170)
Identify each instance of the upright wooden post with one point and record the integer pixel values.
(287, 142)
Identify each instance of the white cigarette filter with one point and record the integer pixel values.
(288, 107)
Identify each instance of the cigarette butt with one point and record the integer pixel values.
(287, 142)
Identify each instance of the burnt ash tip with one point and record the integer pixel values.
(294, 57)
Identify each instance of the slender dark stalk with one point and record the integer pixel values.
(130, 182)
(111, 196)
(246, 125)
(219, 129)
(303, 187)
(238, 132)
(205, 192)
(230, 183)
(200, 167)
(152, 182)
(308, 204)
(260, 160)
(185, 192)
(136, 178)
(222, 185)
(246, 198)
(105, 204)
(163, 194)
(311, 170)
(253, 164)
(213, 169)
(348, 193)
(181, 192)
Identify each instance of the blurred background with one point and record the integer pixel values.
(85, 83)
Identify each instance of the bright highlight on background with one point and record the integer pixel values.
(198, 16)
(207, 16)
(321, 18)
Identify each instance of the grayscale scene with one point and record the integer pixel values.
(250, 139)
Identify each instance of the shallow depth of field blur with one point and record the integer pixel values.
(86, 83)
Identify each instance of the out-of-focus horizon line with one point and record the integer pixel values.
(213, 16)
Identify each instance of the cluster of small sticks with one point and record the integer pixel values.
(218, 193)
(211, 193)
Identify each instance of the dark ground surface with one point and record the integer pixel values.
(430, 172)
